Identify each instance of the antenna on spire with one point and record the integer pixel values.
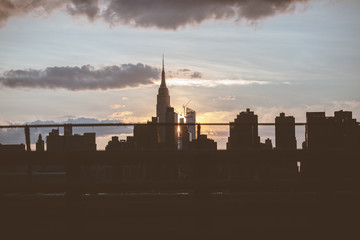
(163, 61)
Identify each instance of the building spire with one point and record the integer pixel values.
(163, 83)
(163, 62)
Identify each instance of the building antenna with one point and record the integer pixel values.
(163, 61)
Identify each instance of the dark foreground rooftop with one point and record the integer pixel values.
(181, 194)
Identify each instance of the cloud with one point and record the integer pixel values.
(184, 73)
(215, 116)
(167, 14)
(15, 8)
(116, 106)
(227, 98)
(163, 14)
(88, 8)
(184, 70)
(196, 75)
(82, 78)
(122, 114)
(128, 117)
(212, 82)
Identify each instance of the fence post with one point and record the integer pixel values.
(73, 195)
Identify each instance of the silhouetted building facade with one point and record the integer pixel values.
(316, 130)
(191, 118)
(187, 132)
(347, 130)
(267, 145)
(68, 130)
(147, 136)
(12, 147)
(40, 145)
(171, 137)
(115, 144)
(244, 132)
(285, 132)
(202, 143)
(184, 137)
(340, 131)
(71, 143)
(163, 102)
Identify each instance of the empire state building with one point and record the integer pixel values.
(163, 102)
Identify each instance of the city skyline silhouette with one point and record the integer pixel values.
(246, 126)
(171, 130)
(285, 64)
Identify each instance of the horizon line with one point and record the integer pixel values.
(136, 124)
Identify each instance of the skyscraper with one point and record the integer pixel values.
(171, 136)
(244, 132)
(163, 102)
(285, 132)
(184, 137)
(147, 136)
(40, 144)
(331, 132)
(191, 118)
(316, 130)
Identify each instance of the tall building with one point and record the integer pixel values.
(68, 130)
(285, 132)
(331, 132)
(347, 129)
(147, 136)
(163, 102)
(316, 130)
(187, 132)
(191, 118)
(184, 137)
(171, 136)
(244, 132)
(40, 144)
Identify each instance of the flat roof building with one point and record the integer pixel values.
(285, 132)
(244, 132)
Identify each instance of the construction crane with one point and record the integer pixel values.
(184, 106)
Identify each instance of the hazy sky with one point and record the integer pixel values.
(100, 60)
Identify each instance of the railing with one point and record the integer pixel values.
(198, 125)
(130, 124)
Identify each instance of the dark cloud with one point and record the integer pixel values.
(168, 14)
(196, 75)
(184, 70)
(88, 8)
(184, 73)
(81, 78)
(164, 14)
(17, 135)
(13, 8)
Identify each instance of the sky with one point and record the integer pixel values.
(100, 61)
